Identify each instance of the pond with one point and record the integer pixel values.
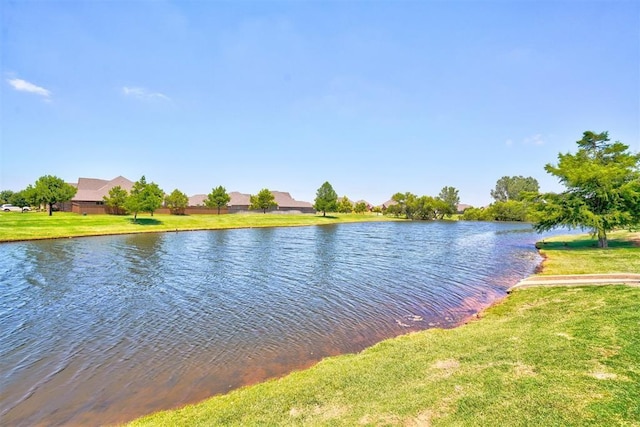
(104, 329)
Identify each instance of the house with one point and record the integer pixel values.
(240, 202)
(89, 198)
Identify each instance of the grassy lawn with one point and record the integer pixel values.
(38, 225)
(578, 254)
(564, 356)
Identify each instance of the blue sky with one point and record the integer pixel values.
(375, 97)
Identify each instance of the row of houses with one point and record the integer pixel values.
(90, 194)
(89, 199)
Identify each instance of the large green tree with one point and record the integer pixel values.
(116, 200)
(602, 182)
(217, 198)
(264, 200)
(514, 188)
(144, 197)
(50, 190)
(326, 199)
(177, 202)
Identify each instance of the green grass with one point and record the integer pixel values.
(578, 254)
(556, 356)
(15, 226)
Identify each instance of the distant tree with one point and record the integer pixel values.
(345, 205)
(20, 198)
(177, 201)
(5, 196)
(50, 190)
(26, 197)
(326, 199)
(144, 197)
(514, 188)
(217, 198)
(477, 214)
(449, 195)
(116, 200)
(602, 193)
(423, 208)
(508, 210)
(405, 205)
(360, 207)
(377, 209)
(263, 200)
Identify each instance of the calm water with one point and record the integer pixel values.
(101, 330)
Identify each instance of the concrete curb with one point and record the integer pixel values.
(630, 279)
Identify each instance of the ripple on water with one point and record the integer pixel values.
(100, 330)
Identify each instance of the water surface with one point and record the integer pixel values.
(104, 329)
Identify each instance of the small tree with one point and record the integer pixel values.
(116, 200)
(360, 207)
(602, 183)
(217, 198)
(144, 197)
(345, 205)
(263, 200)
(449, 195)
(50, 190)
(177, 201)
(326, 199)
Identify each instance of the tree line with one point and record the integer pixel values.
(601, 180)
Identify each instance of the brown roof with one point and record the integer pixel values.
(388, 203)
(93, 190)
(284, 199)
(239, 199)
(197, 200)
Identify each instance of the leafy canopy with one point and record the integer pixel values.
(116, 200)
(217, 198)
(345, 205)
(449, 195)
(177, 201)
(264, 200)
(50, 190)
(326, 199)
(602, 181)
(514, 188)
(144, 197)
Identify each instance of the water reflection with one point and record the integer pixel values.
(101, 330)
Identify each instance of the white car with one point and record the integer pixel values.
(11, 208)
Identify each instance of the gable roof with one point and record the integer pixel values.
(93, 189)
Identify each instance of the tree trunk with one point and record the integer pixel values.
(218, 210)
(602, 239)
(50, 209)
(324, 213)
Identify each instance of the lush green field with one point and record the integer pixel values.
(37, 225)
(564, 356)
(578, 254)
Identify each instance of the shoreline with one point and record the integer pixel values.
(222, 222)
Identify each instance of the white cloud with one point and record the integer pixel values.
(509, 142)
(534, 140)
(142, 93)
(25, 86)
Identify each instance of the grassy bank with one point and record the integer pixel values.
(544, 356)
(38, 225)
(578, 254)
